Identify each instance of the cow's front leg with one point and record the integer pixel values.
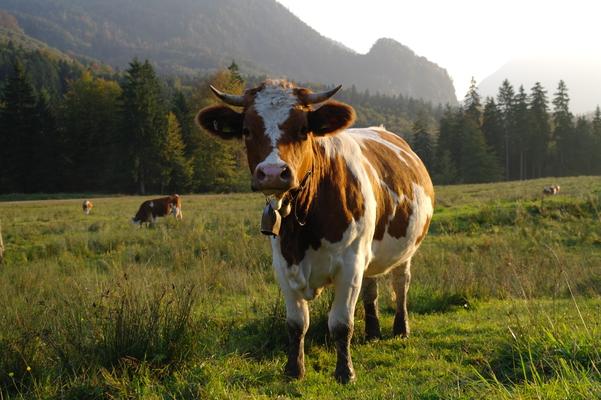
(297, 321)
(401, 278)
(347, 286)
(369, 291)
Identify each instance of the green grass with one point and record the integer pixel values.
(505, 303)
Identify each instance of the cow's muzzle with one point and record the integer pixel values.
(273, 179)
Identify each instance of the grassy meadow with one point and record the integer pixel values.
(505, 303)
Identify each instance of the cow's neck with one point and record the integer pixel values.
(324, 207)
(306, 200)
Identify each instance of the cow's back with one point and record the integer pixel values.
(402, 193)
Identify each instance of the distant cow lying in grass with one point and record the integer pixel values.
(150, 210)
(87, 207)
(551, 190)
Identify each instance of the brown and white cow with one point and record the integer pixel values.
(150, 210)
(87, 207)
(354, 204)
(551, 190)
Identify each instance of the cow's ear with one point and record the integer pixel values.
(330, 118)
(221, 121)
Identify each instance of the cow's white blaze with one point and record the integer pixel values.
(273, 105)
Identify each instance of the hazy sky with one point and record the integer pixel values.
(467, 37)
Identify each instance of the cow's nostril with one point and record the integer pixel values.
(260, 175)
(285, 175)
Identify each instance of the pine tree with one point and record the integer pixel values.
(91, 138)
(445, 171)
(176, 171)
(479, 165)
(190, 136)
(422, 141)
(539, 131)
(144, 123)
(564, 130)
(46, 170)
(492, 128)
(450, 138)
(505, 100)
(472, 104)
(582, 143)
(519, 135)
(596, 147)
(235, 73)
(17, 133)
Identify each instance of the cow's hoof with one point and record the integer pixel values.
(294, 371)
(400, 327)
(371, 336)
(372, 329)
(345, 375)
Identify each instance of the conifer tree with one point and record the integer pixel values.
(46, 170)
(184, 115)
(582, 144)
(144, 123)
(519, 135)
(176, 171)
(564, 130)
(539, 131)
(450, 140)
(480, 165)
(89, 118)
(422, 140)
(505, 100)
(17, 133)
(492, 128)
(472, 104)
(596, 147)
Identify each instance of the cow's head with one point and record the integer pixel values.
(175, 206)
(278, 122)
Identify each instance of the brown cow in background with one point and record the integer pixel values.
(150, 210)
(87, 207)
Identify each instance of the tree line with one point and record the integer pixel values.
(90, 129)
(517, 136)
(129, 132)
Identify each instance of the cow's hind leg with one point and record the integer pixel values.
(401, 278)
(369, 291)
(341, 321)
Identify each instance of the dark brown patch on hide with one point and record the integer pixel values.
(328, 204)
(394, 175)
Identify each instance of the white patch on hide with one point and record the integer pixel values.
(273, 105)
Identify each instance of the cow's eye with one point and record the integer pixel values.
(246, 133)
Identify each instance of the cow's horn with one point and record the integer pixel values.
(313, 98)
(231, 99)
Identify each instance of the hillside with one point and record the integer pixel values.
(580, 72)
(187, 36)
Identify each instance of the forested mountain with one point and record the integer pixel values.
(186, 36)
